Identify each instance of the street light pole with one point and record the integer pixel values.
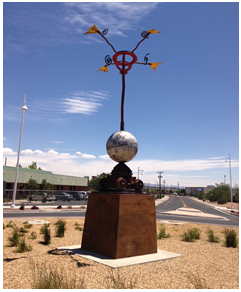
(24, 108)
(160, 177)
(230, 181)
(139, 171)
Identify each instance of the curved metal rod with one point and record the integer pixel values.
(107, 41)
(140, 42)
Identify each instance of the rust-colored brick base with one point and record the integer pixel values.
(120, 225)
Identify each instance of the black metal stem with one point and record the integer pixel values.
(139, 43)
(107, 42)
(123, 94)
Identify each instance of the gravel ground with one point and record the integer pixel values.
(211, 264)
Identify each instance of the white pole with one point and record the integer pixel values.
(24, 108)
(230, 182)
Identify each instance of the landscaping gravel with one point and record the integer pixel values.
(203, 264)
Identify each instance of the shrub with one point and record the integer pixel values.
(191, 235)
(28, 226)
(23, 230)
(230, 238)
(22, 246)
(46, 233)
(212, 237)
(69, 207)
(77, 227)
(4, 226)
(162, 233)
(222, 200)
(60, 228)
(33, 235)
(10, 224)
(14, 239)
(117, 282)
(45, 277)
(197, 282)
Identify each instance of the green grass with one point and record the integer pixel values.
(191, 235)
(162, 233)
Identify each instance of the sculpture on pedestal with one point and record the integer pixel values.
(122, 146)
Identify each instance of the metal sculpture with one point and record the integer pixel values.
(122, 146)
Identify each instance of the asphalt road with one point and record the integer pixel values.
(171, 204)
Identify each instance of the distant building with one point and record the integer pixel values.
(59, 182)
(193, 191)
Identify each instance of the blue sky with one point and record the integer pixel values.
(185, 115)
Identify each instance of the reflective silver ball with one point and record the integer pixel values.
(122, 146)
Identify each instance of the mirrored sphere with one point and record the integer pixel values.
(122, 146)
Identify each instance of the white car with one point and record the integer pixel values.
(41, 197)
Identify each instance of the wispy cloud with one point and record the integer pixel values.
(54, 24)
(82, 102)
(117, 16)
(196, 172)
(77, 102)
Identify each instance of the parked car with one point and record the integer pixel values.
(78, 195)
(64, 197)
(41, 197)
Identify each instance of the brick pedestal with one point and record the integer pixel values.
(120, 225)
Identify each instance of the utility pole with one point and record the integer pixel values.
(160, 177)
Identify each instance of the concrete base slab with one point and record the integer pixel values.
(161, 255)
(36, 222)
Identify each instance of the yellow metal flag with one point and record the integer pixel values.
(154, 65)
(103, 69)
(93, 29)
(153, 31)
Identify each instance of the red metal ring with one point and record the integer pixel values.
(126, 64)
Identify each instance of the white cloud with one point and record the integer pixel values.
(83, 102)
(8, 151)
(52, 152)
(192, 172)
(27, 151)
(88, 156)
(57, 142)
(105, 157)
(38, 152)
(117, 16)
(78, 153)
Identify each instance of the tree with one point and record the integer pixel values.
(95, 182)
(31, 184)
(46, 186)
(34, 166)
(220, 194)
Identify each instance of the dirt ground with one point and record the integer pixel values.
(211, 265)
